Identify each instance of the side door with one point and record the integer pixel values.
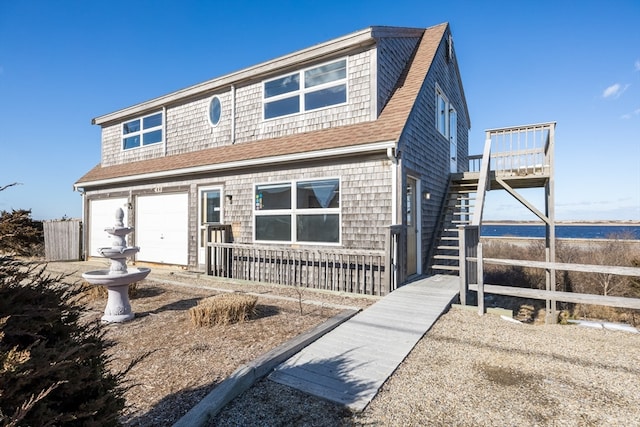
(209, 213)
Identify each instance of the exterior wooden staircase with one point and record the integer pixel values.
(513, 158)
(458, 210)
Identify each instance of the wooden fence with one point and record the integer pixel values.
(368, 272)
(63, 240)
(362, 272)
(551, 296)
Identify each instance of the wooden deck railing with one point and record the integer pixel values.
(518, 150)
(522, 150)
(551, 296)
(369, 272)
(362, 272)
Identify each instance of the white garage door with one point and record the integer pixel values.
(162, 228)
(102, 214)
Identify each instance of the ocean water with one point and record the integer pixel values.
(589, 231)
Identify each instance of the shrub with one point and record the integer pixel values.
(223, 309)
(53, 368)
(21, 235)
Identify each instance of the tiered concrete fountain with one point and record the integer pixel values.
(118, 278)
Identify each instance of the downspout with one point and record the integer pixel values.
(233, 114)
(164, 128)
(394, 185)
(83, 222)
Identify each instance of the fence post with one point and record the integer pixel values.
(207, 251)
(480, 280)
(462, 262)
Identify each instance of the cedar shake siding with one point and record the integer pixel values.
(386, 126)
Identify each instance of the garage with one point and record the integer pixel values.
(102, 214)
(162, 228)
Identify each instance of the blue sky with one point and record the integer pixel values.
(577, 63)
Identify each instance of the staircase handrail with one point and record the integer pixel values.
(483, 182)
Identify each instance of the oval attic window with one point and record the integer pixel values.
(215, 109)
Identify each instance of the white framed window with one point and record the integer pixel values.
(442, 112)
(142, 131)
(304, 211)
(305, 90)
(215, 110)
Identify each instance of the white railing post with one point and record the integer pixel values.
(483, 182)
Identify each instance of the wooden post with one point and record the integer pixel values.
(552, 314)
(464, 279)
(480, 281)
(207, 250)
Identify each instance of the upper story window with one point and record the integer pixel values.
(143, 131)
(215, 111)
(442, 113)
(298, 212)
(306, 90)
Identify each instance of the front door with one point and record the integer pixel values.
(412, 226)
(210, 213)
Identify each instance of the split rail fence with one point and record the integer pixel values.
(472, 278)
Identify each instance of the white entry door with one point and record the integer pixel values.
(102, 214)
(210, 213)
(162, 228)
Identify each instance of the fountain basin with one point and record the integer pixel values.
(118, 230)
(109, 278)
(118, 251)
(117, 283)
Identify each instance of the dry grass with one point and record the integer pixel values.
(223, 309)
(180, 362)
(612, 253)
(97, 293)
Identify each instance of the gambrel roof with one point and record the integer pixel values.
(376, 135)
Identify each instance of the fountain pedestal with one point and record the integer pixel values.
(118, 278)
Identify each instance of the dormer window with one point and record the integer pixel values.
(306, 90)
(142, 131)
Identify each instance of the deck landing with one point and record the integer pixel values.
(349, 364)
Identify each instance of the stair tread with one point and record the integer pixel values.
(445, 267)
(450, 257)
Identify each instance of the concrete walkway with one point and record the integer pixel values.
(349, 364)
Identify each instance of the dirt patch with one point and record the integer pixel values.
(181, 363)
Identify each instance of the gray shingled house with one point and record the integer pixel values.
(318, 162)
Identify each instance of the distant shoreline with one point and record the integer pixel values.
(608, 223)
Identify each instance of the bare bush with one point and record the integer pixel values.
(522, 277)
(609, 252)
(21, 235)
(223, 309)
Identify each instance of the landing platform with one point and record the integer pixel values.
(349, 364)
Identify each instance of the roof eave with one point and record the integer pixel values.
(285, 158)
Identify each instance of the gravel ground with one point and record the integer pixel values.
(480, 371)
(477, 371)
